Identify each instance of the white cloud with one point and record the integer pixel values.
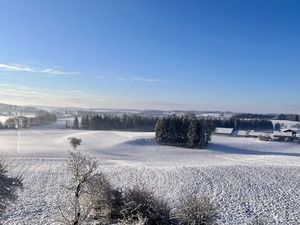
(147, 79)
(16, 67)
(29, 69)
(150, 80)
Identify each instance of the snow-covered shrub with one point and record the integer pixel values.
(8, 187)
(258, 221)
(142, 204)
(101, 196)
(195, 210)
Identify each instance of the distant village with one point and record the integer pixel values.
(283, 135)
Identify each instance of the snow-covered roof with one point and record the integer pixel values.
(282, 134)
(221, 130)
(259, 134)
(289, 130)
(242, 133)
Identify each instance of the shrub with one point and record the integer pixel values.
(140, 203)
(75, 142)
(8, 187)
(196, 211)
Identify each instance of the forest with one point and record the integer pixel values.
(183, 131)
(111, 122)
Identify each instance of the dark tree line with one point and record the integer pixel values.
(183, 131)
(243, 124)
(291, 117)
(110, 122)
(254, 116)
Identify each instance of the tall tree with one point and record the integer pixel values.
(76, 123)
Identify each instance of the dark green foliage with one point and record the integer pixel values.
(183, 131)
(254, 116)
(126, 122)
(161, 127)
(76, 123)
(277, 126)
(194, 134)
(244, 124)
(291, 117)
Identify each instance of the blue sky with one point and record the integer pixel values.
(205, 55)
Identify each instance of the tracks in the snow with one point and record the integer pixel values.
(241, 192)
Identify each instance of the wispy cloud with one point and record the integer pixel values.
(29, 69)
(143, 79)
(24, 95)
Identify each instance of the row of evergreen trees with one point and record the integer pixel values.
(111, 122)
(185, 131)
(291, 117)
(245, 124)
(253, 116)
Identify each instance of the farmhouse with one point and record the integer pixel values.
(224, 131)
(290, 131)
(253, 133)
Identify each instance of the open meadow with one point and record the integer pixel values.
(247, 178)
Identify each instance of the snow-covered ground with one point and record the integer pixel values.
(246, 177)
(3, 119)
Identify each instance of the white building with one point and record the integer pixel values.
(224, 131)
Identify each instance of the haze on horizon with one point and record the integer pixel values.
(203, 55)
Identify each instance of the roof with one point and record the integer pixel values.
(221, 130)
(243, 133)
(283, 134)
(289, 130)
(259, 134)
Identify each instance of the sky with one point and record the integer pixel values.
(241, 56)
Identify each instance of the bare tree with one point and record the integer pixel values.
(81, 168)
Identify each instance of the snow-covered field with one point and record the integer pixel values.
(245, 177)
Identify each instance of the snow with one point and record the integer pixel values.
(3, 119)
(221, 130)
(246, 177)
(287, 123)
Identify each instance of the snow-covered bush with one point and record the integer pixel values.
(8, 186)
(135, 206)
(140, 203)
(195, 210)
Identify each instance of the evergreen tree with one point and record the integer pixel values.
(161, 131)
(76, 123)
(193, 135)
(277, 127)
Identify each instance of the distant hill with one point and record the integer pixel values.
(6, 109)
